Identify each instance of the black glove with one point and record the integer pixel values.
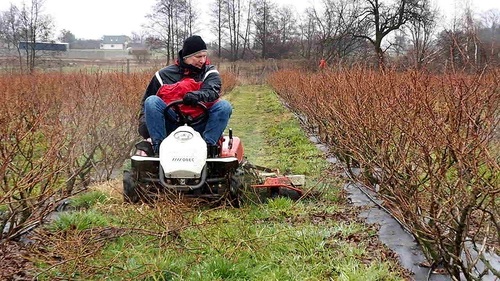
(190, 99)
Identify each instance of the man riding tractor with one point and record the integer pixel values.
(182, 121)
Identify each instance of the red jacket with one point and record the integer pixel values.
(172, 92)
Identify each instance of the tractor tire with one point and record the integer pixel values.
(236, 187)
(130, 188)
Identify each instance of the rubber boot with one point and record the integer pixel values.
(146, 147)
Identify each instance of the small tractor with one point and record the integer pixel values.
(183, 166)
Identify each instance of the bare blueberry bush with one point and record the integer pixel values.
(59, 132)
(428, 142)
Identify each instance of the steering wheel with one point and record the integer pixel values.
(183, 118)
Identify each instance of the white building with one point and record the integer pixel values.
(114, 42)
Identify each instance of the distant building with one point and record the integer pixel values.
(43, 46)
(137, 46)
(114, 42)
(85, 44)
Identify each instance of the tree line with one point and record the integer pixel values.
(25, 23)
(405, 33)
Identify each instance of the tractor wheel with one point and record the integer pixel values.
(236, 188)
(130, 187)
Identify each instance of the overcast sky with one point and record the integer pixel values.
(91, 19)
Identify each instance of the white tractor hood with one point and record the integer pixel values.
(183, 153)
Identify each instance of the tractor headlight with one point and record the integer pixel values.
(183, 135)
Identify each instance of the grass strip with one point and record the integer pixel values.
(279, 239)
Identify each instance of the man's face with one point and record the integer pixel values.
(197, 60)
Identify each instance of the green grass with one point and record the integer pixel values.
(279, 239)
(80, 220)
(271, 135)
(89, 199)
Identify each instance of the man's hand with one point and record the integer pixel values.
(190, 99)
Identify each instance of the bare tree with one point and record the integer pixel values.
(219, 23)
(35, 27)
(263, 19)
(246, 36)
(234, 13)
(171, 21)
(162, 25)
(140, 36)
(66, 36)
(308, 30)
(27, 25)
(189, 19)
(422, 31)
(376, 20)
(490, 34)
(326, 27)
(286, 32)
(461, 46)
(231, 19)
(336, 24)
(9, 29)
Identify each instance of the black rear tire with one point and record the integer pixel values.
(130, 187)
(236, 187)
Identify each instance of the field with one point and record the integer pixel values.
(428, 143)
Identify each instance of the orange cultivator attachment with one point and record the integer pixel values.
(276, 184)
(283, 186)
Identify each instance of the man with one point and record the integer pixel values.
(191, 63)
(322, 63)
